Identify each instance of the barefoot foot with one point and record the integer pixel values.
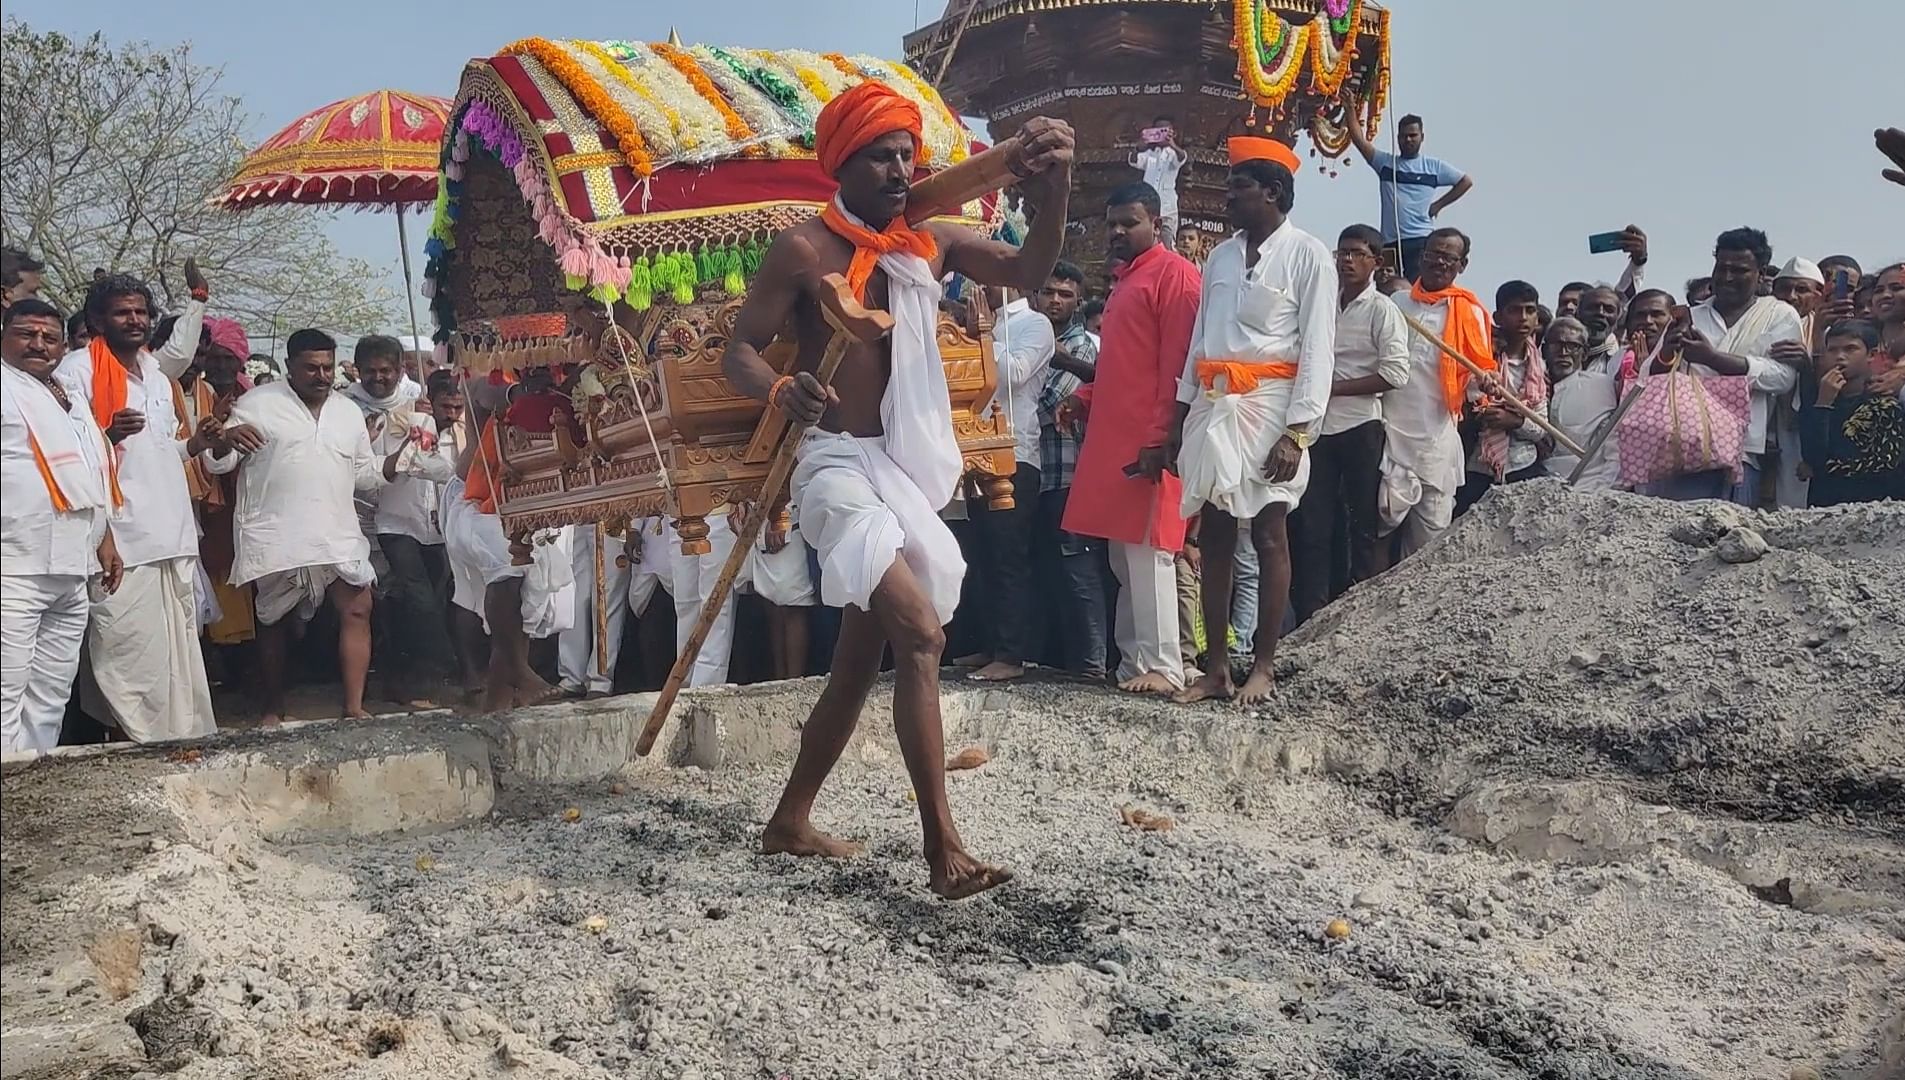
(1215, 686)
(957, 875)
(1151, 682)
(806, 841)
(1261, 684)
(972, 660)
(359, 713)
(998, 671)
(271, 720)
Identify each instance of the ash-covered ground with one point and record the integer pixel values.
(1600, 787)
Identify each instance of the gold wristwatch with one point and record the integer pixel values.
(1303, 439)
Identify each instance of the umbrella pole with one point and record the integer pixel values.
(409, 286)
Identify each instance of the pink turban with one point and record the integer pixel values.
(227, 334)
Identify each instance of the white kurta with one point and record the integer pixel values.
(1371, 339)
(1422, 455)
(1766, 322)
(295, 494)
(693, 586)
(1283, 309)
(143, 639)
(409, 505)
(156, 522)
(1579, 405)
(1024, 343)
(46, 556)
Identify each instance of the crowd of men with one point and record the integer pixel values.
(1207, 455)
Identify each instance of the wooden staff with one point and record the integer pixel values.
(851, 323)
(1560, 437)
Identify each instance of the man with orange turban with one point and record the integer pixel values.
(1423, 464)
(881, 461)
(1262, 358)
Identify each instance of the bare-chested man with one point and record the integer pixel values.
(882, 462)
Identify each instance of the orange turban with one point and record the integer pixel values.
(859, 116)
(1256, 148)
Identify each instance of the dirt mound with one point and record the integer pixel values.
(1741, 661)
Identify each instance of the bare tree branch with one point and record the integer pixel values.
(108, 157)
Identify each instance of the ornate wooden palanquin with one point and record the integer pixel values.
(531, 251)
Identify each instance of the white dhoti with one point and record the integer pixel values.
(655, 569)
(859, 510)
(145, 657)
(576, 652)
(693, 582)
(1406, 503)
(781, 577)
(301, 591)
(1227, 442)
(476, 541)
(42, 623)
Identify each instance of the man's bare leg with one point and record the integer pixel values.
(1270, 532)
(912, 626)
(1217, 533)
(353, 603)
(856, 665)
(271, 649)
(466, 631)
(508, 646)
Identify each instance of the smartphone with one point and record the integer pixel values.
(1155, 136)
(1841, 284)
(1603, 242)
(1134, 470)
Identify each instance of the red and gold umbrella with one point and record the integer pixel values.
(374, 151)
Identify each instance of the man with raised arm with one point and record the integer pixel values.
(882, 460)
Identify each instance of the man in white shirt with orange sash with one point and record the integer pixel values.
(57, 485)
(1258, 376)
(143, 640)
(882, 460)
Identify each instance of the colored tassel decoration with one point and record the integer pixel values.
(575, 262)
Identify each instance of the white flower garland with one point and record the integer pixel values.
(698, 114)
(754, 107)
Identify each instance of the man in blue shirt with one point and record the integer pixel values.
(1409, 184)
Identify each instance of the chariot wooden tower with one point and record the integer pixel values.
(1216, 67)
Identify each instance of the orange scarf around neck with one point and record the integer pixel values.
(1466, 331)
(868, 245)
(109, 383)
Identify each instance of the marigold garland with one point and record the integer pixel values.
(771, 86)
(684, 138)
(1266, 88)
(845, 65)
(1379, 93)
(1330, 60)
(703, 126)
(685, 63)
(606, 110)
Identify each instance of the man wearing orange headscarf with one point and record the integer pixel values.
(1423, 464)
(882, 460)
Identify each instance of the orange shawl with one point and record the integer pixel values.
(484, 480)
(868, 245)
(109, 383)
(1466, 331)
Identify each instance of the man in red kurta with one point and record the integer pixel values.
(1122, 490)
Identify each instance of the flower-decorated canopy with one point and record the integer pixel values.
(653, 169)
(376, 149)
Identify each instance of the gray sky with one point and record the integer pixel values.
(1685, 118)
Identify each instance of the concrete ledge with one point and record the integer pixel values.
(430, 787)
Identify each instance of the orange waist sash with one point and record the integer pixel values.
(1241, 376)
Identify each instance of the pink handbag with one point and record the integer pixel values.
(1684, 424)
